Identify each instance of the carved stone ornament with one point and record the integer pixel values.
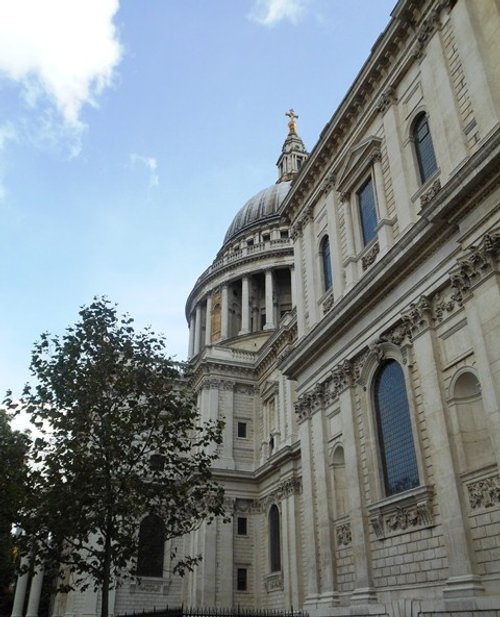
(344, 534)
(328, 303)
(401, 513)
(273, 582)
(471, 269)
(430, 193)
(425, 31)
(386, 99)
(219, 384)
(484, 493)
(370, 256)
(419, 315)
(292, 486)
(328, 183)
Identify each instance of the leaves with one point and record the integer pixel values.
(106, 400)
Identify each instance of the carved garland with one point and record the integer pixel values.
(344, 535)
(484, 493)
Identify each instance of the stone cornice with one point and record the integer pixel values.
(426, 312)
(473, 182)
(401, 44)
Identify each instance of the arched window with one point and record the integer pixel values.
(274, 539)
(397, 450)
(151, 547)
(326, 263)
(424, 149)
(367, 211)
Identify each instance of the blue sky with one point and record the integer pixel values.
(131, 133)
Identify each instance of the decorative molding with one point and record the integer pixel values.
(402, 513)
(471, 269)
(370, 255)
(217, 383)
(386, 99)
(430, 193)
(419, 316)
(424, 33)
(291, 486)
(243, 388)
(343, 534)
(484, 493)
(273, 582)
(328, 183)
(328, 303)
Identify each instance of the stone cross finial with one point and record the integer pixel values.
(292, 124)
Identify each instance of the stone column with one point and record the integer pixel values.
(400, 177)
(35, 591)
(20, 594)
(364, 592)
(290, 549)
(463, 580)
(208, 321)
(481, 308)
(197, 331)
(311, 587)
(299, 282)
(226, 559)
(328, 594)
(224, 312)
(349, 202)
(336, 254)
(191, 336)
(311, 268)
(384, 227)
(269, 325)
(293, 286)
(245, 306)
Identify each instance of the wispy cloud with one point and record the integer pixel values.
(151, 165)
(271, 12)
(7, 133)
(61, 53)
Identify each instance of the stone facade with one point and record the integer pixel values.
(290, 335)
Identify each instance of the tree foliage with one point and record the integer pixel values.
(13, 477)
(110, 404)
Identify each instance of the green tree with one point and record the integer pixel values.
(13, 476)
(109, 404)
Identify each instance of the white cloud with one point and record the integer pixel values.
(61, 50)
(270, 12)
(150, 163)
(7, 133)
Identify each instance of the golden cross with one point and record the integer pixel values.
(293, 116)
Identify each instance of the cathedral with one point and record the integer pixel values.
(347, 332)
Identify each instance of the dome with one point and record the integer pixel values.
(260, 207)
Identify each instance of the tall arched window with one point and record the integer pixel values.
(274, 539)
(424, 149)
(367, 211)
(151, 547)
(397, 450)
(326, 263)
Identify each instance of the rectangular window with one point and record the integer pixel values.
(367, 211)
(284, 234)
(242, 430)
(241, 526)
(241, 579)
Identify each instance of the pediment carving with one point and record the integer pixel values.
(357, 162)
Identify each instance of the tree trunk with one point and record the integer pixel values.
(106, 575)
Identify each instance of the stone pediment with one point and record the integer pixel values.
(356, 162)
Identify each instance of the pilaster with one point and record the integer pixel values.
(463, 579)
(269, 282)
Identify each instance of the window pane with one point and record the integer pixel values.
(274, 539)
(424, 149)
(242, 526)
(242, 429)
(367, 211)
(241, 579)
(395, 433)
(151, 547)
(326, 263)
